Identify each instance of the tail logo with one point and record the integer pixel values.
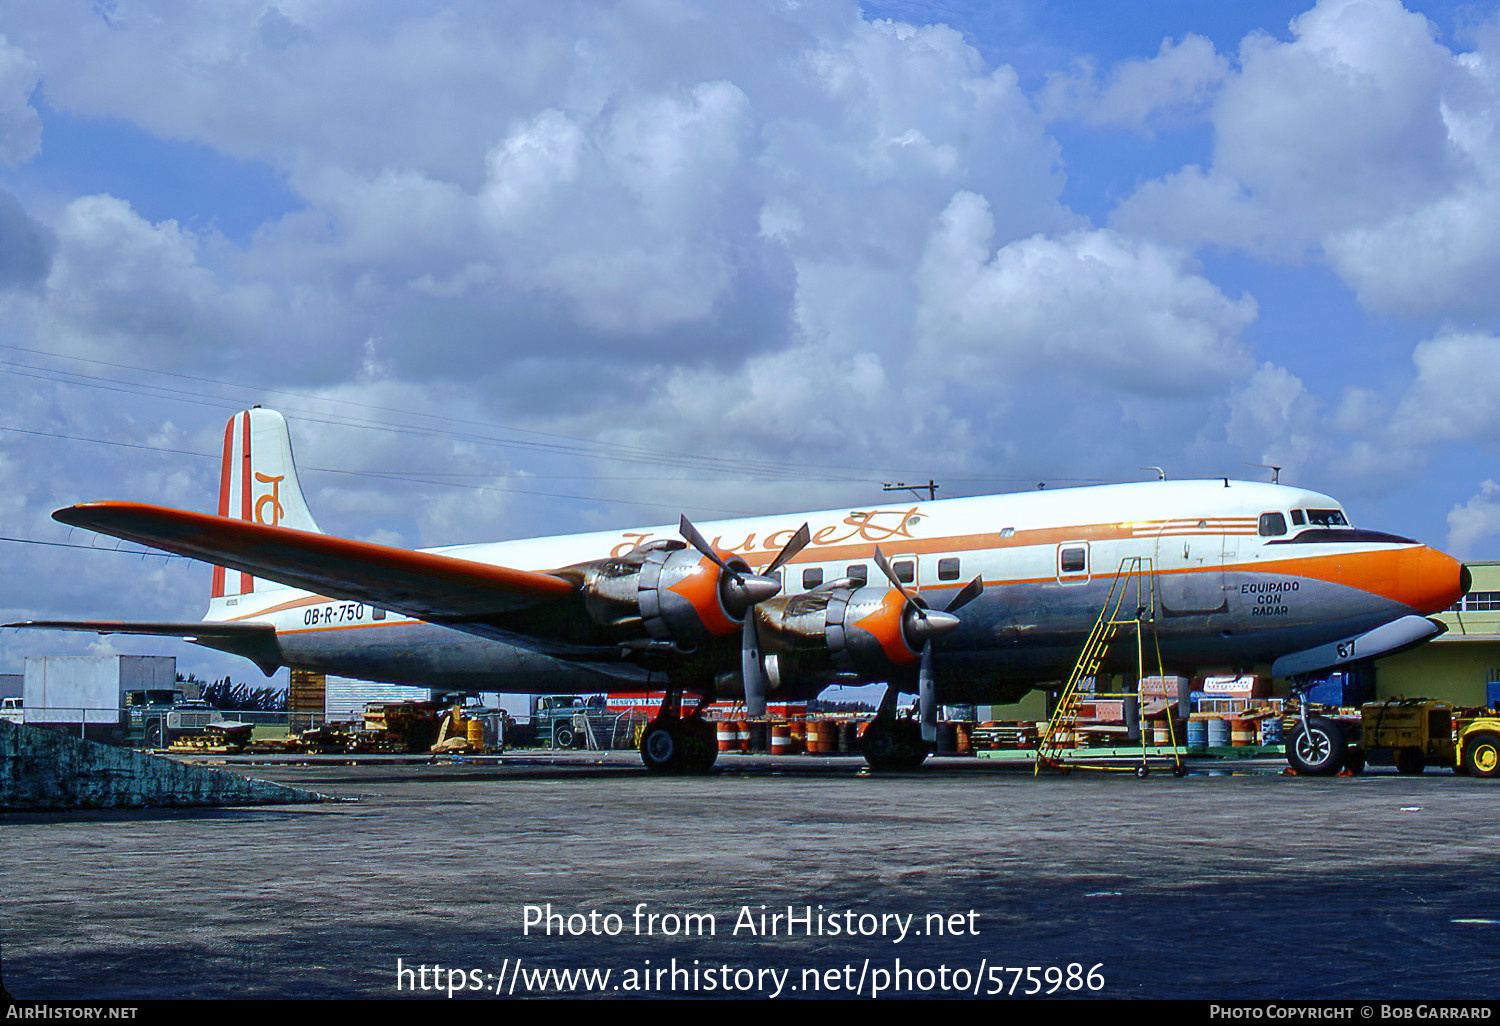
(273, 497)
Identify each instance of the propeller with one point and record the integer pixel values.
(741, 592)
(922, 625)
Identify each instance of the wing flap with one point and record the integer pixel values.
(421, 584)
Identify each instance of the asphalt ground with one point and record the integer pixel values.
(1224, 885)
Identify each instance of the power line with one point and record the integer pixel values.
(577, 446)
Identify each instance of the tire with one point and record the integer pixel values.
(1142, 772)
(1354, 761)
(1317, 750)
(152, 738)
(562, 737)
(893, 745)
(1482, 754)
(1410, 761)
(700, 745)
(662, 747)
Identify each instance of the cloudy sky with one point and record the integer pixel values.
(514, 269)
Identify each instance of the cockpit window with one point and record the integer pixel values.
(1327, 518)
(1298, 518)
(1272, 524)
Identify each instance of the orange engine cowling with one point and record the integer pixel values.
(839, 629)
(668, 589)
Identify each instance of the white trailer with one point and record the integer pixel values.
(87, 689)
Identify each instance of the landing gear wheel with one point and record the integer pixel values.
(893, 745)
(1482, 754)
(1410, 760)
(700, 744)
(670, 745)
(661, 746)
(1317, 750)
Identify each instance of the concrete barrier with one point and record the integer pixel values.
(43, 769)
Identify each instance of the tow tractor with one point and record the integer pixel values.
(1419, 732)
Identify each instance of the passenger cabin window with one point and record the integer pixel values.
(1007, 532)
(377, 614)
(906, 570)
(812, 577)
(1073, 560)
(1298, 519)
(1272, 524)
(1327, 518)
(858, 572)
(948, 569)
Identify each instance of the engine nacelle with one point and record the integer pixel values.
(670, 591)
(840, 628)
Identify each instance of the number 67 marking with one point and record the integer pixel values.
(1346, 649)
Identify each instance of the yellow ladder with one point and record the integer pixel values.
(1134, 570)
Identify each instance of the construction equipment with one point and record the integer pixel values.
(1134, 581)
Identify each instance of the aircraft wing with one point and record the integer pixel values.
(420, 584)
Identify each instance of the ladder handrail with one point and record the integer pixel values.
(1096, 648)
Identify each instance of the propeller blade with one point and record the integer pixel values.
(890, 575)
(688, 531)
(750, 668)
(926, 695)
(799, 542)
(971, 591)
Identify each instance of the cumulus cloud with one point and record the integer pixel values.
(121, 284)
(1362, 140)
(1274, 420)
(1086, 305)
(20, 125)
(1475, 520)
(1452, 397)
(1177, 84)
(26, 246)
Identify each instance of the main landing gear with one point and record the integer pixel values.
(674, 743)
(892, 742)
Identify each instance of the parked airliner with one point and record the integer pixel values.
(958, 600)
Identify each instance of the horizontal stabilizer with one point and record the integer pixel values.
(421, 584)
(254, 641)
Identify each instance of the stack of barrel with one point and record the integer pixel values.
(749, 736)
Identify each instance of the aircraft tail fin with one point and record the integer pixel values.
(258, 483)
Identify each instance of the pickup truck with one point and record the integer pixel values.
(10, 709)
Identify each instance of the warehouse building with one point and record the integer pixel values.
(1463, 666)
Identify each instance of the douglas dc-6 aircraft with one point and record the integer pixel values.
(970, 600)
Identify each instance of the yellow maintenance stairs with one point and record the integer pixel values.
(1134, 581)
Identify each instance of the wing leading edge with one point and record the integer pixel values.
(420, 584)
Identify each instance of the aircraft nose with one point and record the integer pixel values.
(1433, 581)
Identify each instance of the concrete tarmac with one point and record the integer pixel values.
(772, 877)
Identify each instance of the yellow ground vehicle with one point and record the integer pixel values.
(1418, 732)
(1479, 746)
